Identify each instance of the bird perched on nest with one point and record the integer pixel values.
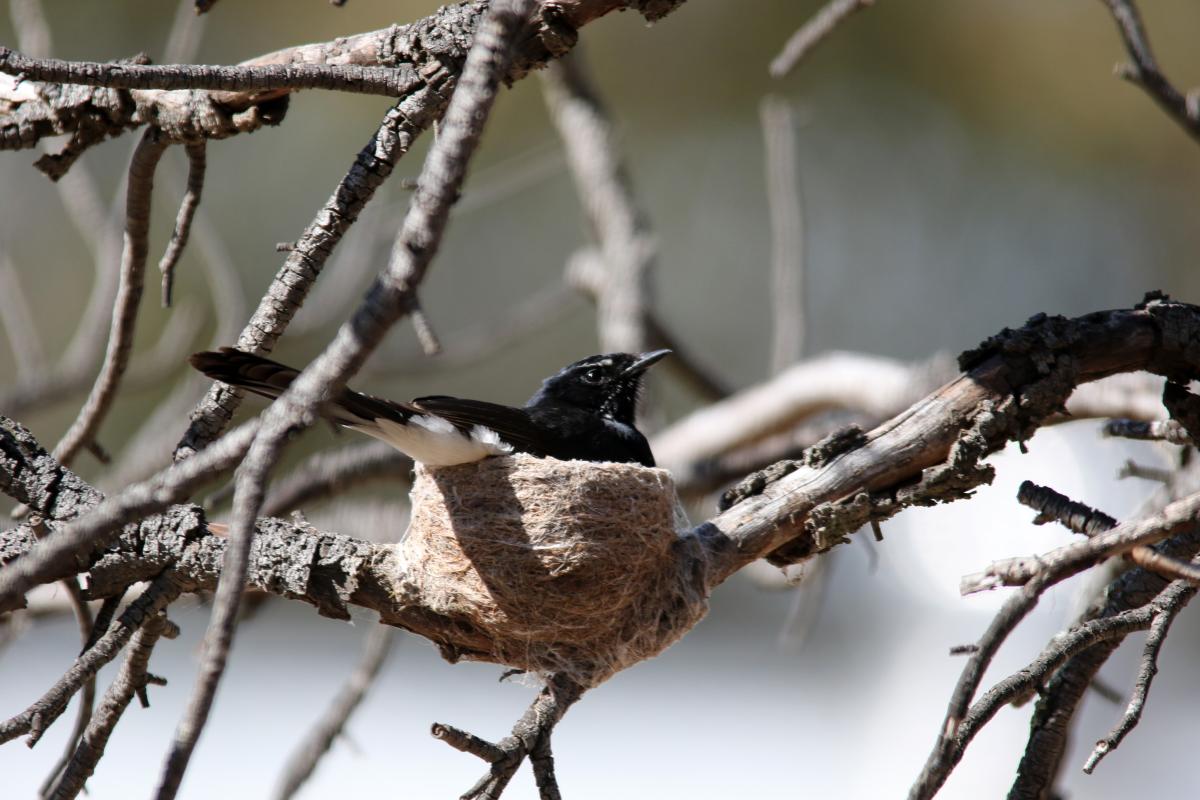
(583, 412)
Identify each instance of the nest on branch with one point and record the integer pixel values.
(564, 566)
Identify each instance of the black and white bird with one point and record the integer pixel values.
(583, 412)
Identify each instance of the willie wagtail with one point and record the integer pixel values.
(583, 412)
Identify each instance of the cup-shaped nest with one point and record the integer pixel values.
(563, 566)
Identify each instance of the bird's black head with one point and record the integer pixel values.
(605, 384)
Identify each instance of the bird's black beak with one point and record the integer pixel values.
(644, 362)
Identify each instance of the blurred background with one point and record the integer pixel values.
(961, 166)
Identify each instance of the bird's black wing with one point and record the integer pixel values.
(513, 424)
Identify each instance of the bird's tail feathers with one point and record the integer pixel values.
(269, 379)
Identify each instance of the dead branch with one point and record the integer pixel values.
(1174, 599)
(87, 698)
(784, 411)
(38, 717)
(1083, 638)
(1077, 517)
(1144, 70)
(131, 681)
(33, 477)
(1068, 560)
(530, 738)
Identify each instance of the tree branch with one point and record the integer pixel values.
(131, 681)
(1144, 70)
(197, 164)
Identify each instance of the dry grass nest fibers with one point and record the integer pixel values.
(565, 566)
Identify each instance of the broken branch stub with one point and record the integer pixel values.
(569, 567)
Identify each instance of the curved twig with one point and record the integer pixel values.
(813, 32)
(133, 264)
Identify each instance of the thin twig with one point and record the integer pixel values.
(944, 755)
(426, 335)
(133, 263)
(87, 698)
(131, 681)
(91, 217)
(813, 33)
(1077, 517)
(39, 716)
(1146, 672)
(197, 164)
(291, 285)
(1060, 649)
(483, 339)
(329, 727)
(1144, 70)
(530, 738)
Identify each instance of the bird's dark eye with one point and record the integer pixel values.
(593, 376)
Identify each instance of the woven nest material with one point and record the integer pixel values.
(565, 566)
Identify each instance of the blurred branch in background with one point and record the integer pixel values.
(813, 32)
(787, 232)
(330, 726)
(621, 231)
(618, 272)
